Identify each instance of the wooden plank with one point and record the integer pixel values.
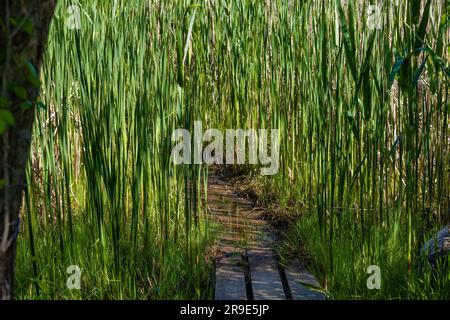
(230, 280)
(295, 276)
(266, 282)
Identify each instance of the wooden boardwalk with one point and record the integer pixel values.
(246, 266)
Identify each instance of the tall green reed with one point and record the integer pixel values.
(362, 113)
(103, 193)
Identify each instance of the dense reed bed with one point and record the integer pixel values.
(103, 193)
(363, 115)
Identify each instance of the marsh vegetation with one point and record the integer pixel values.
(363, 116)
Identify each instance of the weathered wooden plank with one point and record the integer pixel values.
(230, 280)
(266, 281)
(295, 276)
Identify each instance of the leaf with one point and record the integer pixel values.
(312, 286)
(405, 74)
(357, 171)
(423, 24)
(395, 70)
(394, 146)
(28, 27)
(2, 183)
(13, 21)
(351, 114)
(188, 38)
(4, 103)
(33, 76)
(419, 72)
(26, 105)
(180, 66)
(367, 94)
(365, 79)
(7, 117)
(41, 105)
(19, 92)
(348, 41)
(415, 11)
(6, 120)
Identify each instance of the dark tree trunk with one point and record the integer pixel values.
(23, 33)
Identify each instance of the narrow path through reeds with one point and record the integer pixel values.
(246, 265)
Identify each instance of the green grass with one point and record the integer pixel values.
(364, 115)
(103, 193)
(364, 141)
(347, 277)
